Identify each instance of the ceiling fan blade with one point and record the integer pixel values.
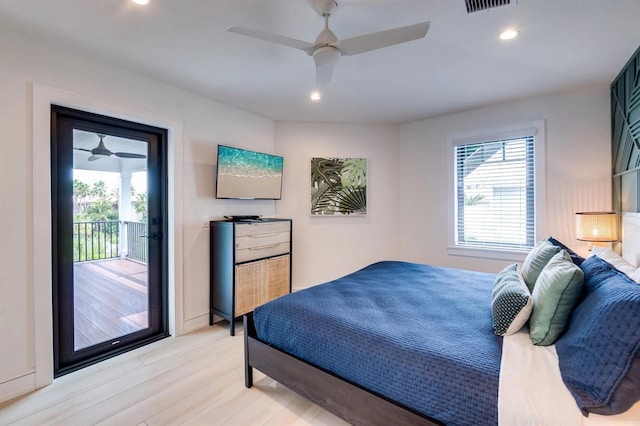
(128, 155)
(274, 38)
(82, 149)
(368, 42)
(94, 158)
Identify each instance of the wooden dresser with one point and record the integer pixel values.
(250, 264)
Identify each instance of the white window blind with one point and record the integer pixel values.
(495, 193)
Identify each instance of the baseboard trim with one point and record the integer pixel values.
(193, 324)
(18, 386)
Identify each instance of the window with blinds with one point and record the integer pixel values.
(495, 194)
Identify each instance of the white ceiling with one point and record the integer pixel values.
(461, 64)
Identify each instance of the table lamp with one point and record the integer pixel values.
(597, 228)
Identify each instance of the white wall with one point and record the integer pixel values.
(325, 248)
(407, 179)
(23, 61)
(578, 170)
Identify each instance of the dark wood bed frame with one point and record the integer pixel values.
(351, 402)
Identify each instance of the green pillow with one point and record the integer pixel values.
(536, 260)
(556, 293)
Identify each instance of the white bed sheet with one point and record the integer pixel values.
(532, 392)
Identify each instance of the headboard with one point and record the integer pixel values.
(631, 237)
(625, 136)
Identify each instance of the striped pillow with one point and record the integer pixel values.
(536, 260)
(556, 293)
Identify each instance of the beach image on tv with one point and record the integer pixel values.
(248, 174)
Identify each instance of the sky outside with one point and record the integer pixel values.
(112, 179)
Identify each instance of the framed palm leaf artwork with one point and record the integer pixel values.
(338, 186)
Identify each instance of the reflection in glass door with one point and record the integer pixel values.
(109, 228)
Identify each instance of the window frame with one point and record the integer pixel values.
(537, 129)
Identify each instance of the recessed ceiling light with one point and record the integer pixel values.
(143, 2)
(315, 95)
(508, 34)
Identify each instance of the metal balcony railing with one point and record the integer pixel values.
(101, 240)
(96, 240)
(136, 241)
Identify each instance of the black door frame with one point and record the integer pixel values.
(63, 120)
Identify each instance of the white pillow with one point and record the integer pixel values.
(619, 262)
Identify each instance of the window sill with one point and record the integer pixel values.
(485, 253)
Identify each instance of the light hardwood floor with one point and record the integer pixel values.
(195, 379)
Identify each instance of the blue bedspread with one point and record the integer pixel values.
(416, 334)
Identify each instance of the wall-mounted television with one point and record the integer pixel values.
(248, 175)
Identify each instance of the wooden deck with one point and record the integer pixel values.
(110, 300)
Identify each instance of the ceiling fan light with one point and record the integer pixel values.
(315, 96)
(326, 55)
(140, 2)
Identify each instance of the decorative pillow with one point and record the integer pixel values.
(556, 293)
(511, 303)
(613, 258)
(536, 260)
(575, 257)
(600, 353)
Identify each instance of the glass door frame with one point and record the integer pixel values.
(63, 121)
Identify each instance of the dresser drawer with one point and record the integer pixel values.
(259, 252)
(256, 228)
(260, 240)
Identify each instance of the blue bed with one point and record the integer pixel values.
(417, 335)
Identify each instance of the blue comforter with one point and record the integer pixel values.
(416, 334)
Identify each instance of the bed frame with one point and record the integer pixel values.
(349, 401)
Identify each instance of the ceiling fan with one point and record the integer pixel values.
(101, 151)
(327, 49)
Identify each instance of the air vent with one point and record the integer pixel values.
(478, 5)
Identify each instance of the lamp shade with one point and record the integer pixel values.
(599, 227)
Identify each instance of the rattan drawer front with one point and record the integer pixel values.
(259, 240)
(249, 282)
(278, 272)
(261, 252)
(255, 228)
